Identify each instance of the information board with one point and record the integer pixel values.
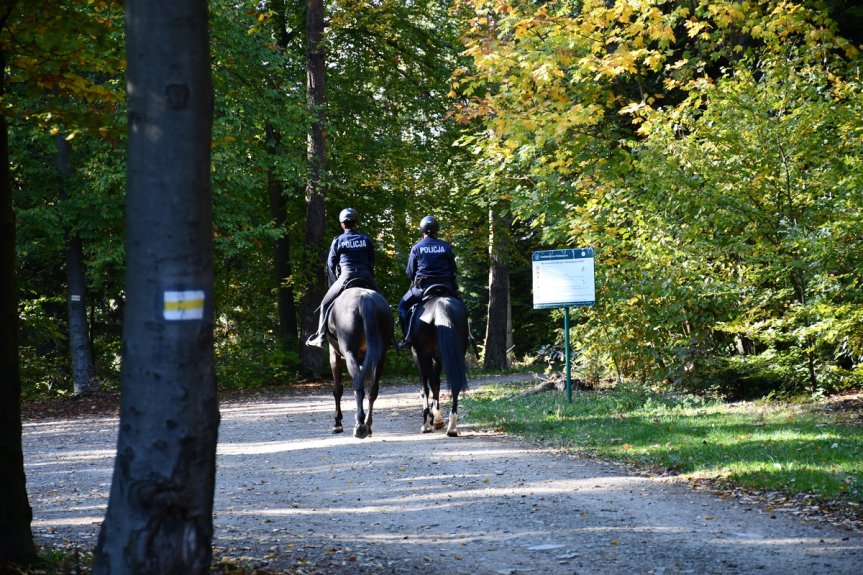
(563, 278)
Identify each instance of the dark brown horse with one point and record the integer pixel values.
(439, 337)
(359, 329)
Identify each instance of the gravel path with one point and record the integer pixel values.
(291, 496)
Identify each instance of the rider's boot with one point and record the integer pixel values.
(317, 339)
(404, 323)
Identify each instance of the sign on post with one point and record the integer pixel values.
(564, 278)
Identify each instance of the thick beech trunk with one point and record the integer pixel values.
(160, 509)
(498, 335)
(16, 541)
(313, 358)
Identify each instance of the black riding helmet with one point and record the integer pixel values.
(429, 225)
(348, 216)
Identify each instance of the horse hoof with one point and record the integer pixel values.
(338, 429)
(426, 428)
(438, 425)
(360, 432)
(452, 428)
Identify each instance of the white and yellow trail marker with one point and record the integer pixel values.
(184, 305)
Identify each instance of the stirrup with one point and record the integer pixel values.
(316, 340)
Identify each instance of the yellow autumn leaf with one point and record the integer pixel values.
(631, 108)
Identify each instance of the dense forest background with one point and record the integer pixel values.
(711, 152)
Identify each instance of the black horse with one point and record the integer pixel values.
(439, 337)
(359, 329)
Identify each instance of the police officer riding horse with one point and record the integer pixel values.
(431, 264)
(350, 263)
(356, 320)
(435, 325)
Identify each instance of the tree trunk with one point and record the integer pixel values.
(498, 329)
(313, 358)
(160, 508)
(16, 543)
(79, 329)
(287, 328)
(76, 279)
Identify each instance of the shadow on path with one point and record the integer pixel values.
(290, 495)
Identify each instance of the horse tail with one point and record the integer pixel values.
(374, 343)
(451, 354)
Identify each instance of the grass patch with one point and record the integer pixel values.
(60, 560)
(785, 447)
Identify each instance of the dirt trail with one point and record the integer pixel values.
(290, 495)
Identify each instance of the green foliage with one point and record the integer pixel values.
(63, 64)
(761, 181)
(707, 151)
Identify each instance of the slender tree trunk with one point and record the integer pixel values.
(76, 279)
(287, 328)
(313, 359)
(498, 334)
(160, 509)
(79, 329)
(16, 542)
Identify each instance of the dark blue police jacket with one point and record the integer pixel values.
(431, 261)
(352, 252)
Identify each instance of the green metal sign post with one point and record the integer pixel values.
(564, 278)
(568, 369)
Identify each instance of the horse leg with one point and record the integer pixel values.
(428, 414)
(338, 388)
(373, 392)
(373, 395)
(452, 427)
(424, 367)
(360, 429)
(435, 388)
(356, 372)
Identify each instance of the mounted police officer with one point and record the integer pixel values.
(351, 257)
(431, 262)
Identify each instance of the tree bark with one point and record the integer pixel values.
(313, 358)
(498, 329)
(160, 508)
(16, 543)
(287, 328)
(76, 282)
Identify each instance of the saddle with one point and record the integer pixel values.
(437, 290)
(432, 291)
(355, 282)
(358, 282)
